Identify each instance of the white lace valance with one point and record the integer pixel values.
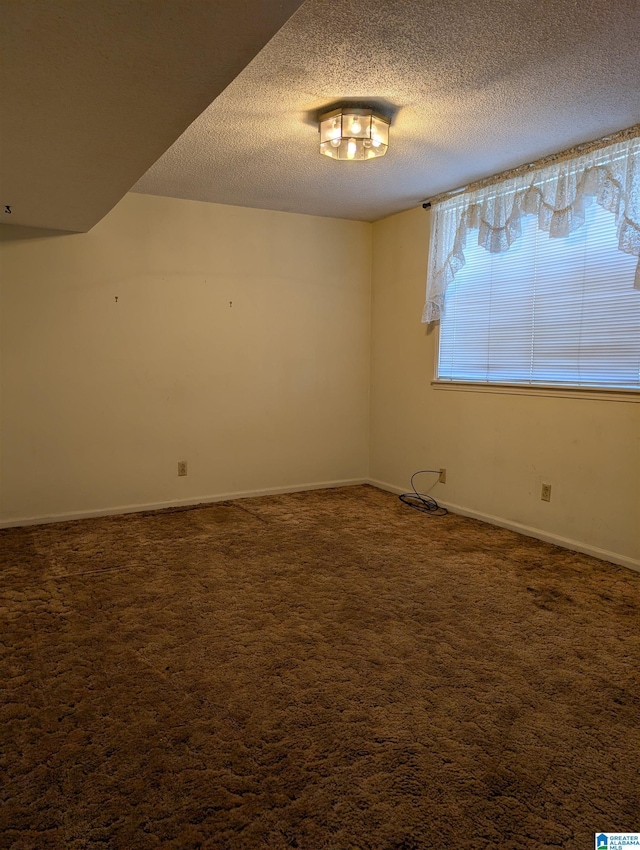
(557, 194)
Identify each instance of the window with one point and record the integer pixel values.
(536, 277)
(560, 311)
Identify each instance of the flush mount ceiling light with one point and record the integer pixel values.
(353, 133)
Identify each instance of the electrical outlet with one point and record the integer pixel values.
(182, 467)
(442, 478)
(545, 495)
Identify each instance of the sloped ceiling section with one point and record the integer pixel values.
(474, 88)
(94, 91)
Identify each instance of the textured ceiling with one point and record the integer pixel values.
(475, 87)
(94, 91)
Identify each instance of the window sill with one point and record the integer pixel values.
(598, 394)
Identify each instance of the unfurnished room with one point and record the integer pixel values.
(319, 424)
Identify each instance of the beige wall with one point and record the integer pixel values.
(101, 399)
(497, 449)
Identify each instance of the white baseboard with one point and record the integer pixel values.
(390, 488)
(178, 503)
(528, 531)
(564, 542)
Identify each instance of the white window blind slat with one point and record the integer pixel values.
(547, 311)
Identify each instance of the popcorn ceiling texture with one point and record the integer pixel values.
(559, 156)
(475, 88)
(324, 671)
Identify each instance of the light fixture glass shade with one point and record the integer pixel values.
(353, 133)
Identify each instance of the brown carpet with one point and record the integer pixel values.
(327, 670)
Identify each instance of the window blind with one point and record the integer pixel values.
(551, 311)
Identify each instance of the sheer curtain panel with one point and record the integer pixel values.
(557, 195)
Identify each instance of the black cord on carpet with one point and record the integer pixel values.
(420, 501)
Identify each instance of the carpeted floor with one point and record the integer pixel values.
(325, 671)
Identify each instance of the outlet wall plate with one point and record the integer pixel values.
(442, 478)
(182, 467)
(545, 493)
